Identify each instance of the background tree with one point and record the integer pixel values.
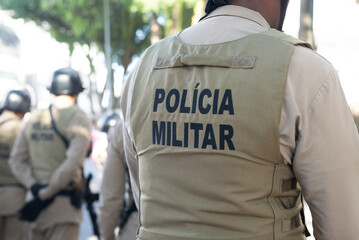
(135, 24)
(167, 16)
(306, 22)
(82, 22)
(198, 11)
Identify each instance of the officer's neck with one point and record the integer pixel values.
(270, 10)
(65, 100)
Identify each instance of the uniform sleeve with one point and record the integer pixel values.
(79, 135)
(112, 189)
(130, 152)
(326, 163)
(20, 161)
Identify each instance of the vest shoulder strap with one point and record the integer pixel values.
(286, 38)
(64, 140)
(7, 120)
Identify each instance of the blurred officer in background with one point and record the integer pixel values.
(222, 122)
(108, 122)
(12, 193)
(100, 141)
(48, 159)
(117, 207)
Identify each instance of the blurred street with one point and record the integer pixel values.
(86, 230)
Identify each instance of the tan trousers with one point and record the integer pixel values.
(66, 231)
(11, 228)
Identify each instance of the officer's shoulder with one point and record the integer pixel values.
(11, 121)
(308, 71)
(78, 112)
(308, 60)
(304, 57)
(161, 43)
(76, 115)
(302, 50)
(36, 112)
(82, 117)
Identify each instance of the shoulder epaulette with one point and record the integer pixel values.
(286, 38)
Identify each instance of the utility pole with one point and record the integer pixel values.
(306, 22)
(107, 47)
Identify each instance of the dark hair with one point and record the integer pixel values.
(213, 4)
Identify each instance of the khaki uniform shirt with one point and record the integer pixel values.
(78, 133)
(112, 192)
(317, 132)
(12, 197)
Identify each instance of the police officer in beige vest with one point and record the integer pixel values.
(117, 207)
(48, 159)
(227, 123)
(12, 193)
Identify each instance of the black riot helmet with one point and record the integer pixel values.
(108, 121)
(66, 81)
(17, 101)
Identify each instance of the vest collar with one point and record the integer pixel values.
(7, 115)
(240, 12)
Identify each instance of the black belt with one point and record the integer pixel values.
(74, 195)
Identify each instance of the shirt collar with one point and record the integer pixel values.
(9, 115)
(241, 12)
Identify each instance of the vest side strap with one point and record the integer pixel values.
(290, 224)
(288, 185)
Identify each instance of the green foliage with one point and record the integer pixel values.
(82, 21)
(161, 5)
(178, 13)
(126, 25)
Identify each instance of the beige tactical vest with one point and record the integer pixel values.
(205, 121)
(47, 150)
(9, 129)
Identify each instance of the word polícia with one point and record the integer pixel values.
(193, 134)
